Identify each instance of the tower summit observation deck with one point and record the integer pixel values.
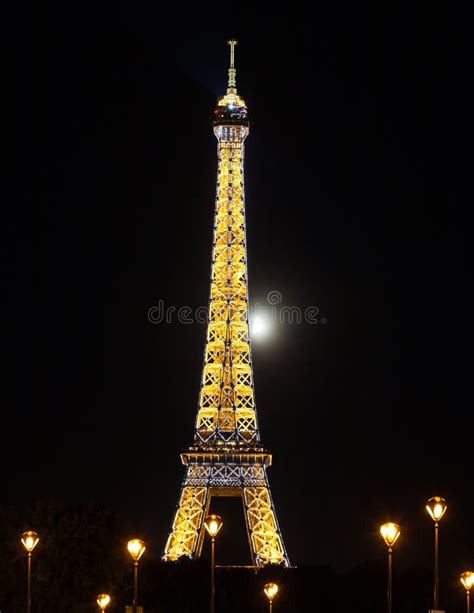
(231, 108)
(227, 458)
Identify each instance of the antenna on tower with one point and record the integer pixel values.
(232, 86)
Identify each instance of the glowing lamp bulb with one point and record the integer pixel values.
(390, 533)
(213, 523)
(436, 507)
(467, 579)
(136, 548)
(270, 590)
(103, 600)
(30, 540)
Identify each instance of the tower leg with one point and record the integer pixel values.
(264, 533)
(185, 536)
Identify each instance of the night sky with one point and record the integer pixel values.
(356, 177)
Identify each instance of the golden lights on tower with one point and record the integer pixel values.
(227, 454)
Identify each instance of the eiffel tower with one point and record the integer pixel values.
(227, 458)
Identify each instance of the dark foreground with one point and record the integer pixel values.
(81, 555)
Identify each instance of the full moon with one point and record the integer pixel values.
(259, 326)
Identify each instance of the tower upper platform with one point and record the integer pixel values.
(231, 108)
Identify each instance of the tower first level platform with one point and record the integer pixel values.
(228, 472)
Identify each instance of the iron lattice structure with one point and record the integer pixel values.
(227, 458)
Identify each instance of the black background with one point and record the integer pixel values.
(356, 175)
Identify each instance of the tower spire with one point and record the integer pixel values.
(232, 88)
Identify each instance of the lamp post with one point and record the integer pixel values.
(390, 533)
(136, 548)
(103, 600)
(29, 540)
(270, 590)
(436, 508)
(213, 523)
(467, 579)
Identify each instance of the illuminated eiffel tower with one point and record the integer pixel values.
(227, 458)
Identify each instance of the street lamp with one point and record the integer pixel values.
(467, 579)
(136, 548)
(270, 590)
(213, 523)
(30, 540)
(390, 533)
(103, 600)
(436, 507)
